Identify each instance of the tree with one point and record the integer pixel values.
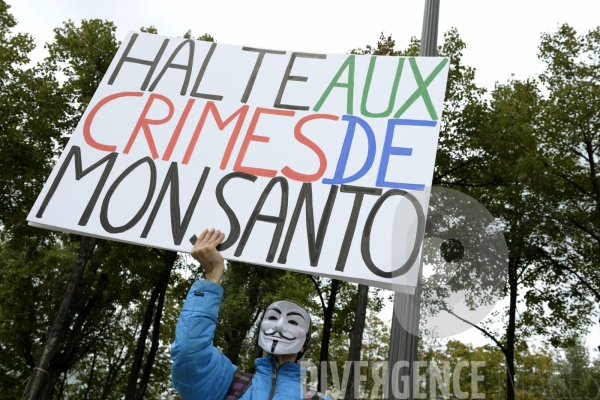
(505, 183)
(31, 109)
(356, 336)
(570, 138)
(88, 58)
(36, 262)
(151, 316)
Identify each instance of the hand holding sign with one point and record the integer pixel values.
(206, 253)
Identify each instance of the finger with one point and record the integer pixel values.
(208, 236)
(219, 239)
(213, 237)
(201, 237)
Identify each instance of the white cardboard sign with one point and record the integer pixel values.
(317, 163)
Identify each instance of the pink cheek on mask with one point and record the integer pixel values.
(297, 331)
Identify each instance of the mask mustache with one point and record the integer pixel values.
(279, 335)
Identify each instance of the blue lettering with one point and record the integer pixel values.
(389, 150)
(338, 177)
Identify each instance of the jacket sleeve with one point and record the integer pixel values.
(200, 371)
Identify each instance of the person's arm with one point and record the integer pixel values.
(199, 370)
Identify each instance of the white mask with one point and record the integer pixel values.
(283, 328)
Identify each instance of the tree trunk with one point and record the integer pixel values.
(327, 320)
(40, 372)
(169, 260)
(63, 383)
(90, 378)
(138, 356)
(362, 299)
(52, 378)
(510, 330)
(111, 378)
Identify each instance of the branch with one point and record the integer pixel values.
(312, 278)
(577, 186)
(586, 230)
(590, 150)
(442, 176)
(578, 153)
(255, 317)
(484, 331)
(473, 185)
(569, 269)
(574, 222)
(535, 271)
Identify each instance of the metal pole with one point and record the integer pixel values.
(429, 33)
(403, 344)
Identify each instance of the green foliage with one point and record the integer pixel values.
(570, 138)
(205, 37)
(541, 372)
(103, 321)
(81, 54)
(30, 109)
(150, 29)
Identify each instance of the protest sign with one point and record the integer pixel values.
(317, 163)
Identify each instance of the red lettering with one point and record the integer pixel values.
(250, 136)
(87, 135)
(177, 131)
(211, 107)
(290, 173)
(144, 124)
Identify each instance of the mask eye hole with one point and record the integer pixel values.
(272, 318)
(293, 322)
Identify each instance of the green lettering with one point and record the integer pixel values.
(422, 89)
(367, 88)
(348, 64)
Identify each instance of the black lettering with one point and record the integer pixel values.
(75, 153)
(125, 58)
(360, 193)
(279, 221)
(104, 210)
(259, 60)
(314, 247)
(234, 229)
(365, 245)
(178, 227)
(187, 68)
(287, 77)
(194, 92)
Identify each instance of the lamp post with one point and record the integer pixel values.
(404, 337)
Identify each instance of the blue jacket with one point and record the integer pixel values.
(201, 372)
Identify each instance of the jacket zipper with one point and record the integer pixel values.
(274, 380)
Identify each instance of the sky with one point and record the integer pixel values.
(502, 37)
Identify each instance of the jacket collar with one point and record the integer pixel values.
(286, 371)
